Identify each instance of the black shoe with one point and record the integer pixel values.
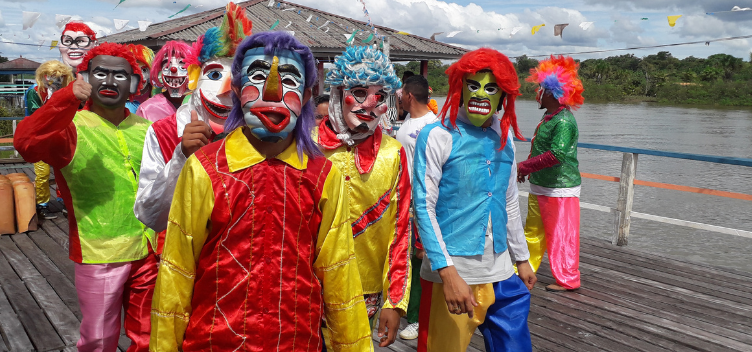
(44, 212)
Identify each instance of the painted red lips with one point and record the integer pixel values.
(263, 114)
(217, 110)
(364, 117)
(108, 92)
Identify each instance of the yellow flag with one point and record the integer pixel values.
(537, 28)
(403, 33)
(672, 20)
(53, 45)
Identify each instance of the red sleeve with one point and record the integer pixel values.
(49, 134)
(537, 163)
(399, 252)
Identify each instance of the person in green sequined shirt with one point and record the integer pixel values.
(553, 219)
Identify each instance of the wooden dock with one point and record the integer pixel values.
(629, 301)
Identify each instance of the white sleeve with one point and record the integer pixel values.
(516, 241)
(156, 183)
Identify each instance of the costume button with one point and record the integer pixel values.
(490, 194)
(269, 210)
(484, 129)
(488, 162)
(347, 178)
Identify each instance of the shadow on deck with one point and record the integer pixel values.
(629, 301)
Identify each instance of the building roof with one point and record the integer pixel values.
(17, 66)
(325, 34)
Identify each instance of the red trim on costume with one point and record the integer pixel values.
(424, 314)
(399, 256)
(365, 152)
(166, 131)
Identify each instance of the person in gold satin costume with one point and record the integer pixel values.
(259, 250)
(376, 178)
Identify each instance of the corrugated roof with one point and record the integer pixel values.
(19, 64)
(324, 41)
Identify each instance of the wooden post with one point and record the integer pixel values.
(424, 68)
(626, 197)
(320, 76)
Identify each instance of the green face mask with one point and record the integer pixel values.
(480, 97)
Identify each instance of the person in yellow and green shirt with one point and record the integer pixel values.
(259, 250)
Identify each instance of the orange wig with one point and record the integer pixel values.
(506, 78)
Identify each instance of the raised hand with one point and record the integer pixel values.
(195, 135)
(81, 88)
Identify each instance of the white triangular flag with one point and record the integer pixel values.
(288, 24)
(452, 34)
(737, 8)
(288, 9)
(143, 25)
(324, 25)
(309, 18)
(347, 35)
(292, 33)
(41, 41)
(119, 24)
(62, 20)
(29, 18)
(270, 4)
(585, 25)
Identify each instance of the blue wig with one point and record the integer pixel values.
(273, 42)
(363, 66)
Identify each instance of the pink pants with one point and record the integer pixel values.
(106, 289)
(553, 224)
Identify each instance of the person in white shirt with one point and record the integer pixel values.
(415, 102)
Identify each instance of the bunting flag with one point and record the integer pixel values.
(289, 9)
(352, 36)
(62, 20)
(644, 19)
(309, 18)
(289, 24)
(292, 33)
(537, 28)
(403, 33)
(369, 39)
(452, 34)
(270, 4)
(41, 42)
(733, 9)
(181, 11)
(672, 20)
(274, 25)
(120, 24)
(53, 45)
(433, 36)
(585, 25)
(29, 18)
(559, 30)
(370, 23)
(514, 31)
(121, 1)
(324, 25)
(143, 25)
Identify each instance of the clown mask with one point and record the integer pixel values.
(362, 107)
(272, 92)
(211, 98)
(145, 74)
(174, 76)
(73, 46)
(480, 97)
(112, 80)
(52, 84)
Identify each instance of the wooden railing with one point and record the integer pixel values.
(623, 211)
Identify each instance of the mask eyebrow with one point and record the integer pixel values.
(473, 82)
(492, 85)
(108, 71)
(262, 64)
(290, 69)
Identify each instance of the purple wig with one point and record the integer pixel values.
(272, 42)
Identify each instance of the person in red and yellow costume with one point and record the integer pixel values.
(259, 248)
(170, 141)
(377, 178)
(96, 155)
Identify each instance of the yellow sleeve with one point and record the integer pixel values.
(337, 269)
(187, 230)
(397, 266)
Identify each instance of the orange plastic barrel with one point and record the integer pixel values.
(7, 208)
(26, 209)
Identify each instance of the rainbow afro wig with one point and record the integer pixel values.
(558, 76)
(144, 56)
(506, 77)
(363, 66)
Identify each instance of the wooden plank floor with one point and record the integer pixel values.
(629, 301)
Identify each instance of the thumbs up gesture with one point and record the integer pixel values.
(81, 88)
(195, 135)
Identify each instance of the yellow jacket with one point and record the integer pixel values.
(257, 252)
(378, 186)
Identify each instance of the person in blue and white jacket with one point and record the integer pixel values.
(465, 197)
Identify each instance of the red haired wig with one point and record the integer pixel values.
(506, 78)
(112, 49)
(143, 55)
(80, 27)
(173, 48)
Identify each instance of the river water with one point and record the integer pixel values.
(697, 130)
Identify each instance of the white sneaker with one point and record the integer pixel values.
(410, 332)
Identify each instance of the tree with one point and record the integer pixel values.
(3, 59)
(524, 64)
(726, 63)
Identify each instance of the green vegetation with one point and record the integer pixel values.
(720, 79)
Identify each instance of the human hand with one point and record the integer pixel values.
(389, 319)
(81, 88)
(195, 135)
(520, 177)
(526, 274)
(458, 294)
(420, 254)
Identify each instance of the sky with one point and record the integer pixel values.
(482, 23)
